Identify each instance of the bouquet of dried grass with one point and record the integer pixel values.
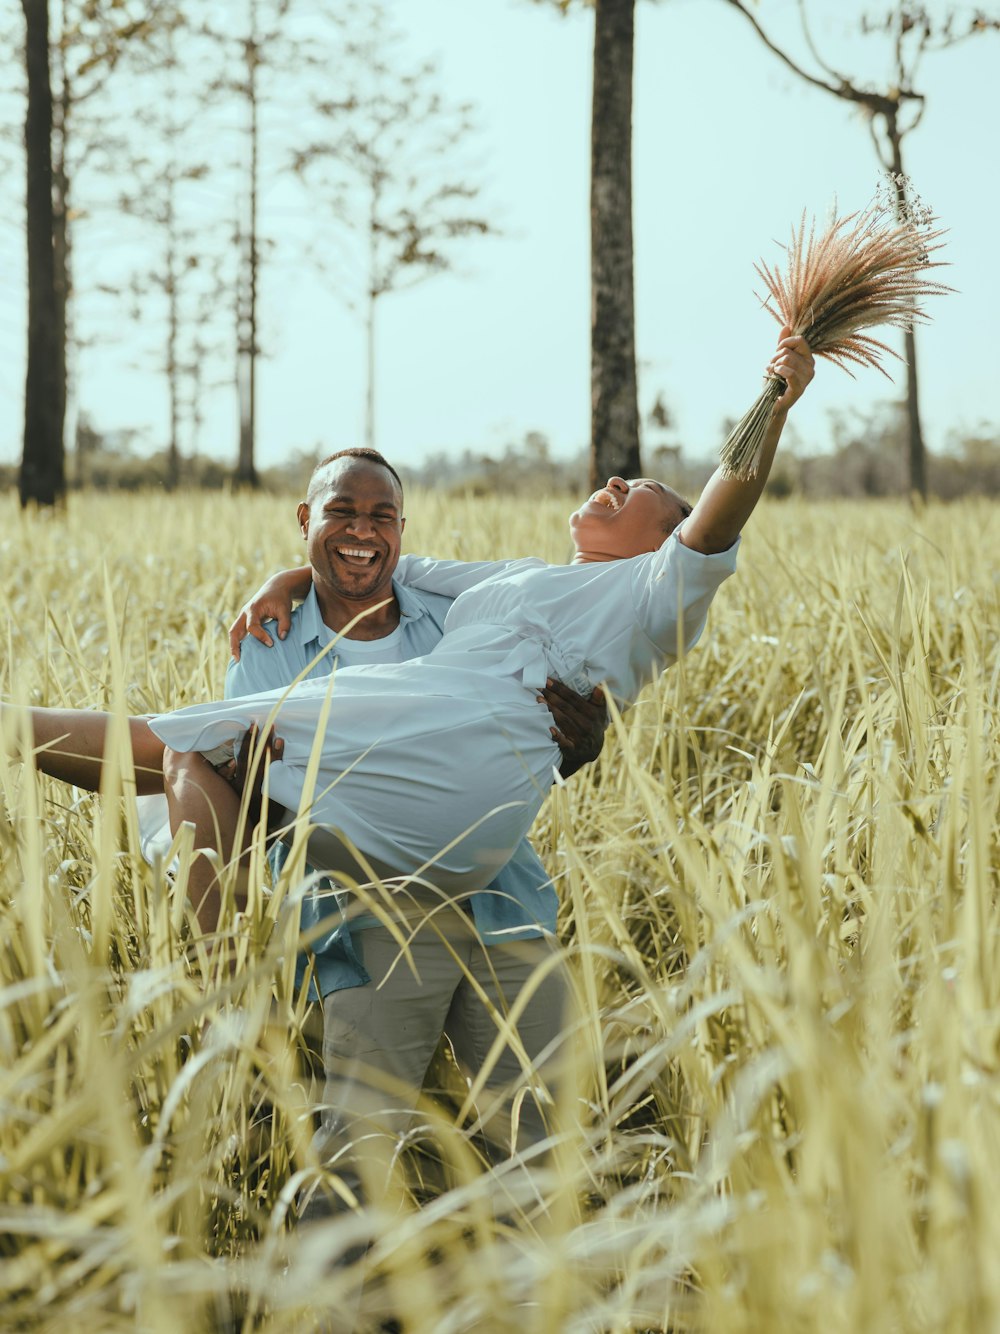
(864, 270)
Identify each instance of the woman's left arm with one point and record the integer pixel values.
(726, 503)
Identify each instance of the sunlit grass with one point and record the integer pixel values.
(779, 890)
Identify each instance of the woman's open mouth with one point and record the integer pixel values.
(606, 498)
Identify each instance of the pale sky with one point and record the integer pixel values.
(729, 149)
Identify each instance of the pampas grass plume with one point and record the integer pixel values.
(862, 271)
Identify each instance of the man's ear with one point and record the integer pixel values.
(402, 523)
(302, 514)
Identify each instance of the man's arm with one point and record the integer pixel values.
(580, 724)
(725, 504)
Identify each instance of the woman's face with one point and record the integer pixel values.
(626, 519)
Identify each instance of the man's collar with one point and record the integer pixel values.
(411, 605)
(309, 622)
(311, 625)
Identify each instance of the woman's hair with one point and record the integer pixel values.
(686, 508)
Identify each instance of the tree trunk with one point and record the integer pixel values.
(916, 453)
(172, 268)
(42, 477)
(370, 388)
(173, 469)
(62, 242)
(246, 470)
(373, 293)
(614, 420)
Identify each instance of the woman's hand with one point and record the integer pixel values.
(272, 602)
(792, 362)
(726, 502)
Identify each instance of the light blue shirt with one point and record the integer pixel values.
(520, 903)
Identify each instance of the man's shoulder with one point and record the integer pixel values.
(292, 644)
(262, 668)
(416, 601)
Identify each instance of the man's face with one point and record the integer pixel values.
(353, 526)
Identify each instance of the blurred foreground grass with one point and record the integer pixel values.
(779, 891)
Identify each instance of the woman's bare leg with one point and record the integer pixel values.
(73, 742)
(199, 796)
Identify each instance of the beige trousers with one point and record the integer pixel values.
(379, 1040)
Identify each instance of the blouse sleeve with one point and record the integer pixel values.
(673, 590)
(448, 577)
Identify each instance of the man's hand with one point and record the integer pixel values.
(580, 724)
(237, 770)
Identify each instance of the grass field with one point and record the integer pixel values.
(779, 891)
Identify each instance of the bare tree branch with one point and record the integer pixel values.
(843, 88)
(913, 32)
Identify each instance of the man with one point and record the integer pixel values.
(382, 1024)
(383, 1019)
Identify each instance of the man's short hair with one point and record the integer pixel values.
(359, 452)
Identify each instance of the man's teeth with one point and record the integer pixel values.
(608, 499)
(363, 553)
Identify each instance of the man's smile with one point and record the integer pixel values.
(360, 556)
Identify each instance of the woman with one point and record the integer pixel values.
(445, 760)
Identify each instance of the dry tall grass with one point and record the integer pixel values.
(780, 900)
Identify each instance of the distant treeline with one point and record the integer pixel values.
(868, 459)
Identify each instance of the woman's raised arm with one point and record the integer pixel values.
(725, 504)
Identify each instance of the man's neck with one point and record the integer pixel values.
(368, 618)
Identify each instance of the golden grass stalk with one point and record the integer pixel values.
(865, 270)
